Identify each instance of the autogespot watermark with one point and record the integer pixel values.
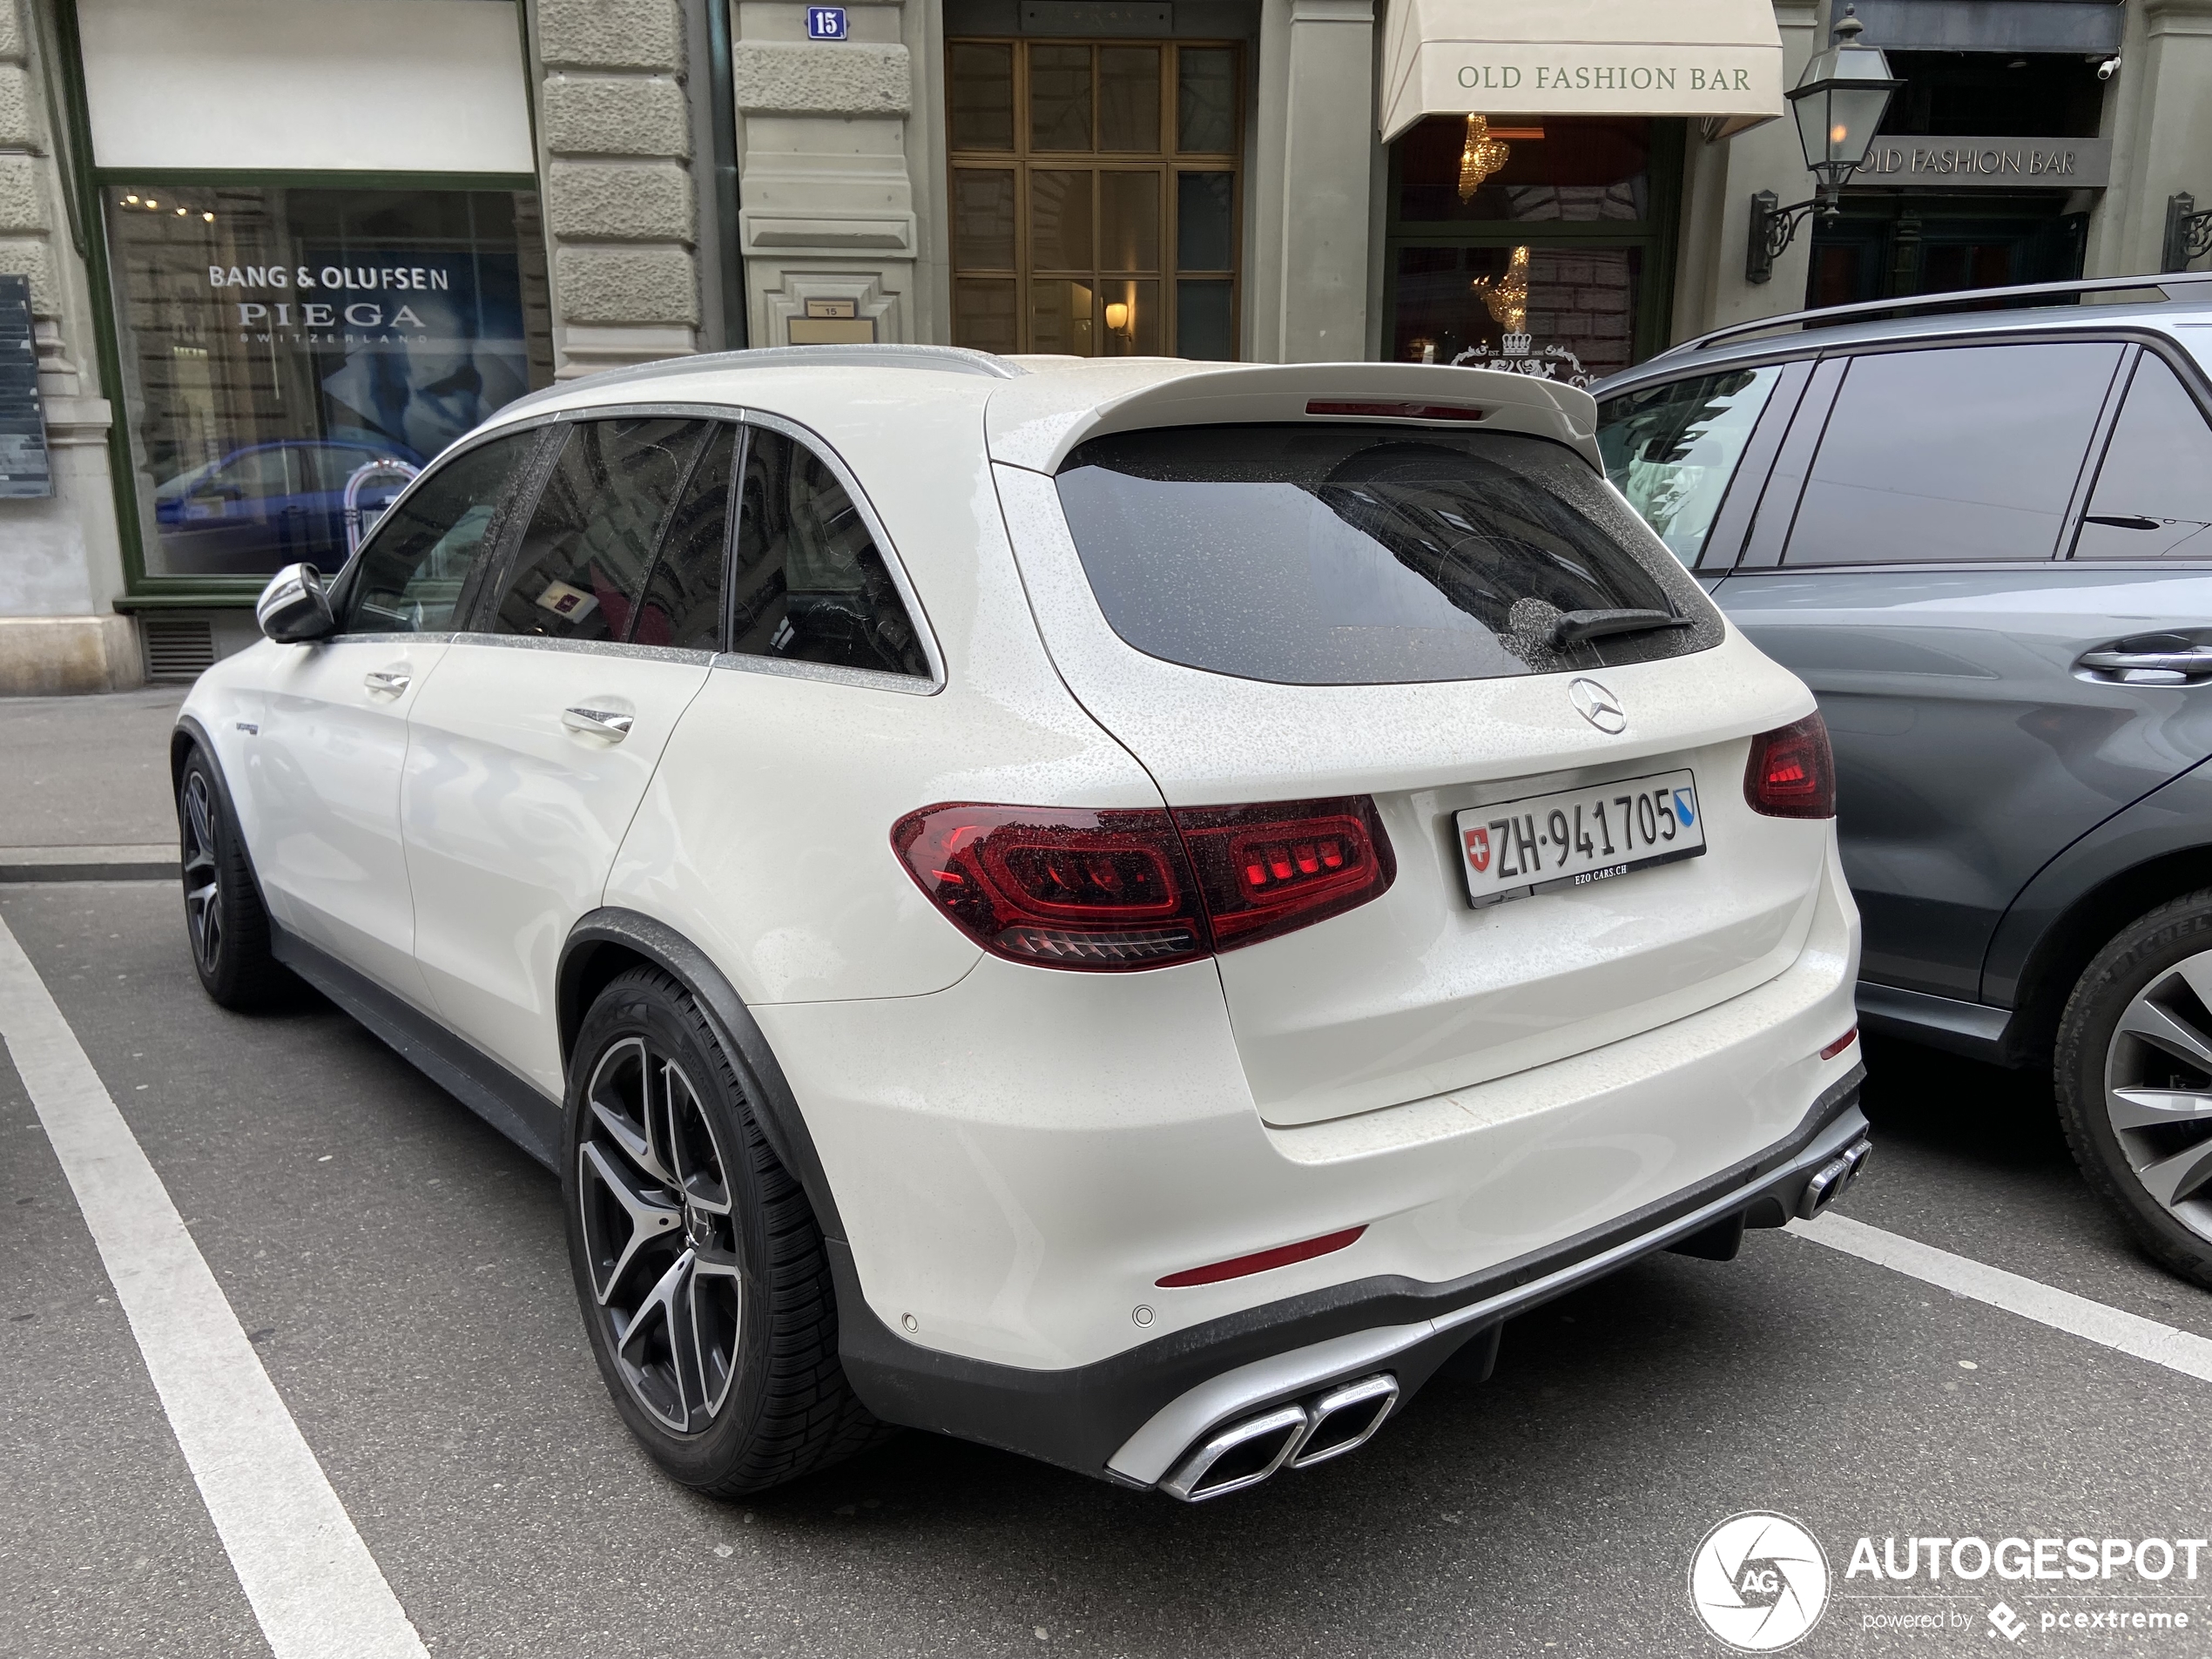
(1760, 1582)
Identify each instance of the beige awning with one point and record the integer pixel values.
(1717, 59)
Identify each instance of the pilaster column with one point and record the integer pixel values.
(1318, 114)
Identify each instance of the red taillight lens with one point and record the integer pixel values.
(1066, 888)
(1792, 774)
(1115, 889)
(1266, 870)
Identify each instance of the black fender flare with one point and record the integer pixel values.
(190, 734)
(775, 1107)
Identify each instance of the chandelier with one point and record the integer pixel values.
(1480, 157)
(1507, 299)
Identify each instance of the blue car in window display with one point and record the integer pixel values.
(271, 504)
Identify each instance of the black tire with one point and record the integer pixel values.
(2120, 1061)
(226, 924)
(763, 1400)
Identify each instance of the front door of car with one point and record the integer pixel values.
(1908, 560)
(530, 751)
(324, 769)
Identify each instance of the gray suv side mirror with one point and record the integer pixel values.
(294, 608)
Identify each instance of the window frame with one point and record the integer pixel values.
(2185, 369)
(1168, 164)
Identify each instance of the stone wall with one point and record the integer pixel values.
(621, 202)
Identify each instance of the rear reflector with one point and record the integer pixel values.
(1259, 1261)
(1840, 1045)
(1374, 411)
(1120, 889)
(1792, 773)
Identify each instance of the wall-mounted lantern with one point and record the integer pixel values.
(1839, 102)
(2188, 233)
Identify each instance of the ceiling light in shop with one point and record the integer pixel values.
(1480, 157)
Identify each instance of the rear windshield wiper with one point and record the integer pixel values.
(1575, 626)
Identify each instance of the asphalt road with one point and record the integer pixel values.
(400, 1269)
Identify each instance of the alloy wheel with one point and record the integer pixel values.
(203, 875)
(659, 1229)
(2158, 1089)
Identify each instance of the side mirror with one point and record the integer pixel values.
(294, 608)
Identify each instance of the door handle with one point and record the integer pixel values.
(394, 680)
(610, 724)
(2149, 667)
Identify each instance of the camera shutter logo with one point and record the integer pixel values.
(1760, 1581)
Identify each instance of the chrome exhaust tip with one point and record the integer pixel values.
(1346, 1418)
(1242, 1456)
(1832, 1180)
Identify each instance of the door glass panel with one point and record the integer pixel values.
(1205, 220)
(413, 572)
(810, 585)
(1059, 221)
(1968, 453)
(1205, 321)
(1060, 98)
(683, 602)
(1672, 450)
(1131, 315)
(2153, 494)
(983, 219)
(1128, 221)
(1128, 99)
(1061, 318)
(984, 315)
(583, 560)
(982, 95)
(1206, 101)
(1569, 309)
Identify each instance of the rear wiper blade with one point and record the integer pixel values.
(1575, 626)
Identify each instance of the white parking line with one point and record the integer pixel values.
(2109, 1327)
(313, 1586)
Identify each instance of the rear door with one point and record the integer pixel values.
(1913, 572)
(530, 753)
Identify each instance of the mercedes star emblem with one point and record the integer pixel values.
(1598, 705)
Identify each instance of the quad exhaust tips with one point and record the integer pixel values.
(1300, 1434)
(1831, 1180)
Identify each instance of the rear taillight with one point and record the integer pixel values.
(1117, 889)
(1792, 774)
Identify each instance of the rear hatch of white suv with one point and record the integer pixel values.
(1402, 609)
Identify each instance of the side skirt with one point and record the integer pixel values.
(508, 1103)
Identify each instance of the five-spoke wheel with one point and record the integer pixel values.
(195, 811)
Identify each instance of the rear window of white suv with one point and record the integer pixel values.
(1354, 554)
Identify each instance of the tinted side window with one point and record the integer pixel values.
(1671, 450)
(413, 569)
(683, 602)
(1955, 454)
(2153, 494)
(582, 563)
(810, 585)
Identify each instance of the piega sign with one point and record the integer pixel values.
(335, 307)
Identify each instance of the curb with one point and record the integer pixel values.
(160, 862)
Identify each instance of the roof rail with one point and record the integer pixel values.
(953, 360)
(1958, 298)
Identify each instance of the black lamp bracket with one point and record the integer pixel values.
(1773, 228)
(2188, 233)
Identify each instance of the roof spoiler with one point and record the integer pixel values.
(1961, 299)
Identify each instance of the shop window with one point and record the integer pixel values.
(1536, 244)
(293, 357)
(1094, 196)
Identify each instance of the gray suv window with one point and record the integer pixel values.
(1954, 454)
(1671, 450)
(2153, 494)
(1330, 555)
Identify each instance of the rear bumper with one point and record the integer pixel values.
(1129, 1418)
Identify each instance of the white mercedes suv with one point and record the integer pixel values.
(1130, 911)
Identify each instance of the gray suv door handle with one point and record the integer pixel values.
(598, 723)
(2150, 667)
(387, 679)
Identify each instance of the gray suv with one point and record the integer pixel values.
(1983, 537)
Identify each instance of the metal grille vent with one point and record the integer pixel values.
(178, 648)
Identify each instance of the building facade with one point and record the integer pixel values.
(265, 258)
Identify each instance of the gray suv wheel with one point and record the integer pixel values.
(2135, 1080)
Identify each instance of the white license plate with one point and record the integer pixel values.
(1577, 837)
